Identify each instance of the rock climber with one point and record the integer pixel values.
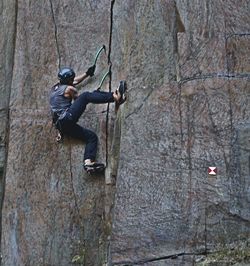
(67, 107)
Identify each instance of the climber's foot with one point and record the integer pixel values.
(93, 167)
(119, 94)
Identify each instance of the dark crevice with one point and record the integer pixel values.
(180, 24)
(181, 116)
(178, 27)
(168, 257)
(56, 34)
(109, 189)
(216, 75)
(111, 29)
(110, 76)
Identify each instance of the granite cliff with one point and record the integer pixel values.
(187, 66)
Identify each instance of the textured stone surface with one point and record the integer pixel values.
(52, 210)
(7, 44)
(187, 67)
(173, 131)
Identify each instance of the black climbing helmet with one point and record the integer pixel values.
(66, 75)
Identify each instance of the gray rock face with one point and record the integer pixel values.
(49, 200)
(188, 109)
(7, 33)
(187, 68)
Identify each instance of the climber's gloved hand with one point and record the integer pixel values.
(91, 71)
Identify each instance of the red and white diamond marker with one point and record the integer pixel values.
(212, 171)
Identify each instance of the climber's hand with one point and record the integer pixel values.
(91, 71)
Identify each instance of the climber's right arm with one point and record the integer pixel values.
(71, 92)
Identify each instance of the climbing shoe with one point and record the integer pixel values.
(121, 90)
(94, 167)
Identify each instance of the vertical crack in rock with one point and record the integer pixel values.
(9, 47)
(110, 77)
(111, 161)
(56, 33)
(230, 109)
(190, 141)
(180, 24)
(179, 27)
(111, 30)
(180, 114)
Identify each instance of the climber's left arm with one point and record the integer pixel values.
(90, 72)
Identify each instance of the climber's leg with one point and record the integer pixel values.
(79, 105)
(71, 129)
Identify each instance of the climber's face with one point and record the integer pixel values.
(71, 81)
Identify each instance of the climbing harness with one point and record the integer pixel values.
(57, 125)
(59, 136)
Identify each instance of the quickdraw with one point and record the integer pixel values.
(103, 78)
(103, 48)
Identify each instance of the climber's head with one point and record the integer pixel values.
(66, 75)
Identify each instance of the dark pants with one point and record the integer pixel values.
(68, 125)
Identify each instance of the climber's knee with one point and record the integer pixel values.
(85, 96)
